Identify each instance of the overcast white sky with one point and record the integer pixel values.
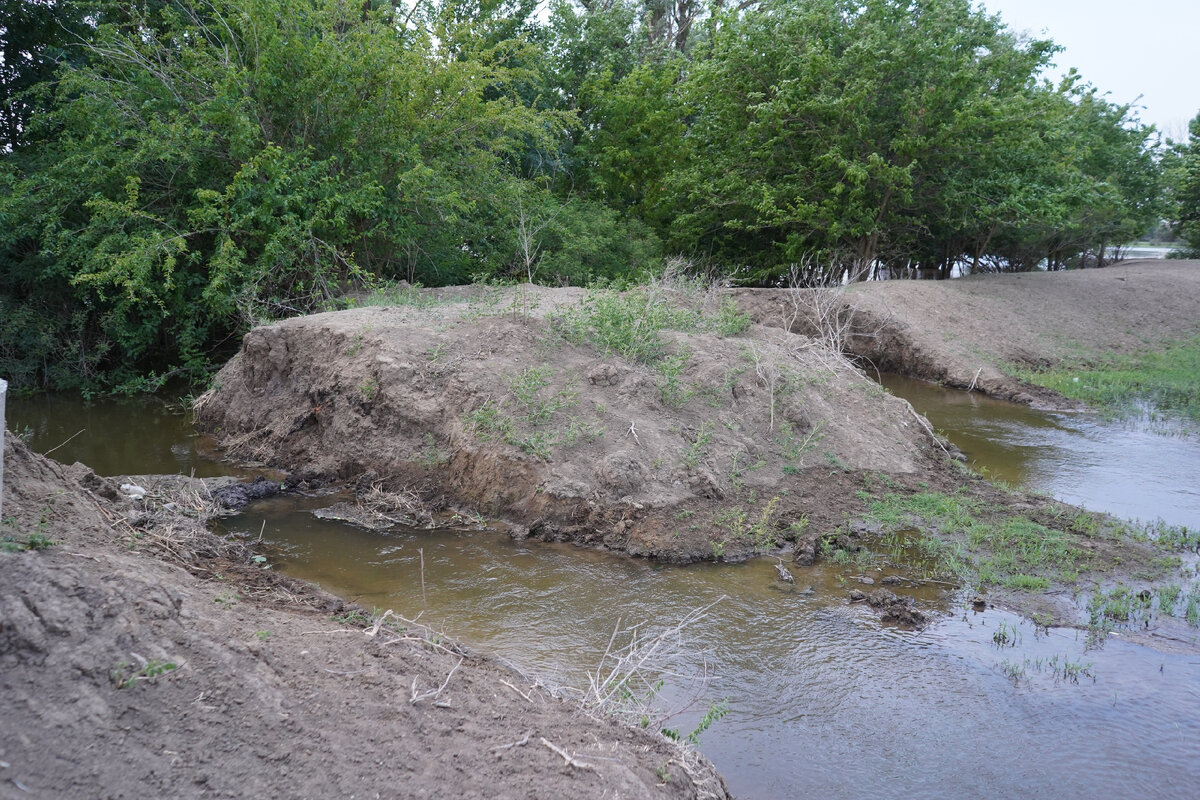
(1126, 47)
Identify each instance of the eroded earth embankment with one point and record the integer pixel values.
(141, 656)
(973, 332)
(712, 441)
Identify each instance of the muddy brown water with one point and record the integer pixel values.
(824, 700)
(1139, 469)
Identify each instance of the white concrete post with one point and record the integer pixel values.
(3, 392)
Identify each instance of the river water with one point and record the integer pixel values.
(1140, 469)
(824, 700)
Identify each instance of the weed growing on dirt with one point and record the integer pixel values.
(527, 386)
(738, 469)
(353, 618)
(691, 458)
(430, 455)
(835, 462)
(400, 294)
(35, 541)
(761, 530)
(630, 324)
(627, 324)
(674, 392)
(369, 389)
(125, 675)
(538, 426)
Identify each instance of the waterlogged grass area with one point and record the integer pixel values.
(1166, 380)
(1125, 573)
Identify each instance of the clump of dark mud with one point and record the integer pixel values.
(893, 608)
(237, 495)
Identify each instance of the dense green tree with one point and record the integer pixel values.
(185, 168)
(1185, 184)
(216, 164)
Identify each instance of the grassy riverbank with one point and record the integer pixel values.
(1165, 380)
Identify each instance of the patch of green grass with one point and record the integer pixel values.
(126, 675)
(35, 541)
(627, 324)
(537, 426)
(398, 294)
(970, 541)
(1167, 380)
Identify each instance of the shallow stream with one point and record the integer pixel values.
(824, 700)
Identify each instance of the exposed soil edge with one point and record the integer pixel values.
(884, 344)
(968, 332)
(270, 697)
(390, 394)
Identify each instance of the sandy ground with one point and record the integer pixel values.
(271, 696)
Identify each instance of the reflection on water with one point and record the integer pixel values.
(1124, 468)
(824, 700)
(114, 436)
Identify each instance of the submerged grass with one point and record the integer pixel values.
(1166, 380)
(966, 539)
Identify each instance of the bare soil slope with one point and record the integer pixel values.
(125, 675)
(724, 445)
(966, 331)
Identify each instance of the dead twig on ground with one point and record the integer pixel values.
(567, 757)
(374, 629)
(929, 430)
(417, 697)
(524, 740)
(518, 691)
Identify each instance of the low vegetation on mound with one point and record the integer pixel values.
(656, 420)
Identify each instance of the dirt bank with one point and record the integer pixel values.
(140, 656)
(971, 331)
(711, 441)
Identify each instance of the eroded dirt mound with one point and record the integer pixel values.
(969, 332)
(715, 447)
(122, 675)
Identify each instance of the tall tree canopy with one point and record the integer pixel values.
(175, 171)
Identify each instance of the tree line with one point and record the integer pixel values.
(175, 171)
